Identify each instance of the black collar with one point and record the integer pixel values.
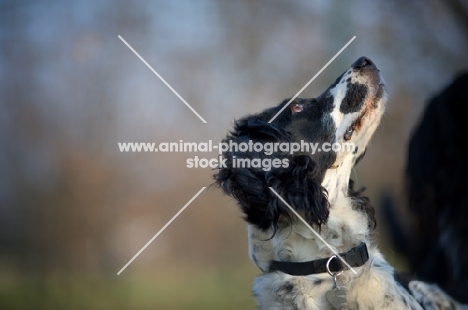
(355, 257)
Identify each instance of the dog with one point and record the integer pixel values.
(436, 245)
(297, 256)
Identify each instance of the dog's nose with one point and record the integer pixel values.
(363, 62)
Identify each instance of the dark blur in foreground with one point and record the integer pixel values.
(74, 210)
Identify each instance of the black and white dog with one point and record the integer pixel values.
(300, 270)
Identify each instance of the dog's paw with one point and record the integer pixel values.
(432, 297)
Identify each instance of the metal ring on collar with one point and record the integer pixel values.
(333, 274)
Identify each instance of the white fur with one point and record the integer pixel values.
(433, 297)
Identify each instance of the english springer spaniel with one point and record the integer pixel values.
(299, 268)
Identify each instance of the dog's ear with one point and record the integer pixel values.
(300, 186)
(246, 184)
(297, 181)
(251, 191)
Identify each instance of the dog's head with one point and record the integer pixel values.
(336, 126)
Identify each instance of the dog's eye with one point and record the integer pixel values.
(348, 133)
(297, 107)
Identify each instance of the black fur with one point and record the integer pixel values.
(437, 188)
(350, 102)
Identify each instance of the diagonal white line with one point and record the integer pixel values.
(162, 229)
(313, 230)
(326, 65)
(161, 78)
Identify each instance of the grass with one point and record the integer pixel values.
(174, 288)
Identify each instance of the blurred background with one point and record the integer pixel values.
(74, 209)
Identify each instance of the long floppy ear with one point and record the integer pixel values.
(300, 186)
(298, 180)
(246, 184)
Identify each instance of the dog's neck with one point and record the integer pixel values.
(336, 181)
(345, 227)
